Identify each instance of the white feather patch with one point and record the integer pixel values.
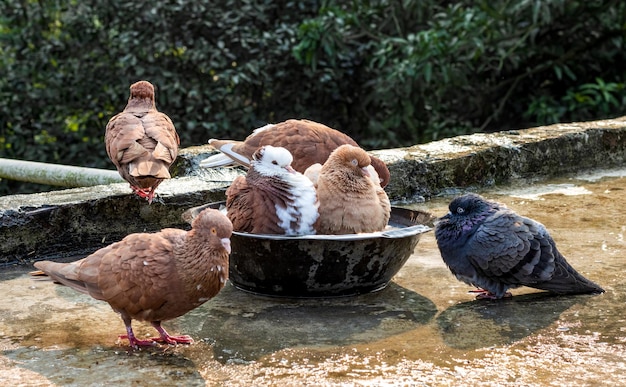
(303, 213)
(262, 129)
(217, 160)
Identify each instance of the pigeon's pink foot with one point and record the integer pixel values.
(143, 193)
(173, 340)
(166, 338)
(150, 196)
(482, 294)
(134, 342)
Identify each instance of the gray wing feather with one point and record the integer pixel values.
(512, 248)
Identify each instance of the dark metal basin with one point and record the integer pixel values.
(323, 265)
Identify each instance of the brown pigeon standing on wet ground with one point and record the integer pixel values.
(350, 201)
(142, 142)
(309, 142)
(272, 198)
(489, 246)
(154, 277)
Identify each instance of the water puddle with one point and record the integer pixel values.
(423, 329)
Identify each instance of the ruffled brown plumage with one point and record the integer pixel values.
(154, 276)
(272, 198)
(350, 201)
(309, 142)
(142, 142)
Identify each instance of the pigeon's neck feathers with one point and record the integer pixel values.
(299, 217)
(345, 180)
(285, 184)
(270, 170)
(140, 105)
(201, 260)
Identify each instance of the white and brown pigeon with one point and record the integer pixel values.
(272, 198)
(309, 142)
(142, 142)
(350, 200)
(154, 277)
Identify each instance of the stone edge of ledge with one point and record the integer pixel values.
(35, 226)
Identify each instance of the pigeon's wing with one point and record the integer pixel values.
(252, 202)
(309, 142)
(160, 128)
(121, 136)
(137, 274)
(132, 274)
(512, 249)
(239, 207)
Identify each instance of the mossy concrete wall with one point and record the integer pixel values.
(498, 158)
(77, 221)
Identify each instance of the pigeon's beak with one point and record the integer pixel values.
(290, 169)
(226, 244)
(366, 172)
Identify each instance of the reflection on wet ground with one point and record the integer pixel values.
(423, 329)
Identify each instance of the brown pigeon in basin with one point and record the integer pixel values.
(142, 142)
(309, 142)
(350, 200)
(272, 198)
(154, 276)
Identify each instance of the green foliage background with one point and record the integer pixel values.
(389, 73)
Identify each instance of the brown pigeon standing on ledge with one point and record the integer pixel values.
(309, 142)
(142, 142)
(350, 200)
(154, 277)
(272, 198)
(489, 246)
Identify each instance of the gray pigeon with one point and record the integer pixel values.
(489, 246)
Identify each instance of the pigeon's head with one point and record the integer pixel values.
(214, 227)
(142, 90)
(468, 206)
(272, 160)
(353, 157)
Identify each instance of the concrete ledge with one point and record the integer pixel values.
(492, 159)
(78, 221)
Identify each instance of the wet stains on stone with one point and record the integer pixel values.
(271, 324)
(475, 324)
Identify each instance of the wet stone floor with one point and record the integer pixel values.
(424, 329)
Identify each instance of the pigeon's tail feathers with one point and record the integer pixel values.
(63, 273)
(149, 168)
(227, 158)
(566, 280)
(217, 160)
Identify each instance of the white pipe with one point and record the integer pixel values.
(55, 174)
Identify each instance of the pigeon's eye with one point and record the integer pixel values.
(213, 230)
(460, 210)
(274, 162)
(354, 162)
